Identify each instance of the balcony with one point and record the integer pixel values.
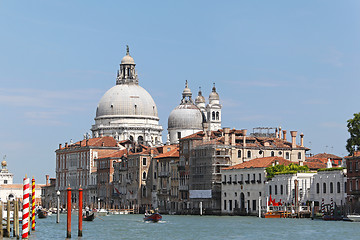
(223, 182)
(234, 182)
(259, 181)
(253, 181)
(241, 182)
(164, 174)
(221, 156)
(228, 182)
(247, 181)
(183, 188)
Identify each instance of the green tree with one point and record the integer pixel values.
(353, 143)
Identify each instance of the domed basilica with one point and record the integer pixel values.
(127, 111)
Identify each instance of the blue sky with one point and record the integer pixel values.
(275, 63)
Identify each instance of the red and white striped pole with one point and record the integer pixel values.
(25, 215)
(33, 205)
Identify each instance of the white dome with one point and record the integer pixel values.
(126, 100)
(185, 116)
(127, 60)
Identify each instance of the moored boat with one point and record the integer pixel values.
(42, 214)
(155, 217)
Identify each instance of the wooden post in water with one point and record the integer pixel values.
(16, 219)
(80, 211)
(1, 218)
(8, 206)
(68, 229)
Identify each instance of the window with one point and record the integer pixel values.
(338, 187)
(259, 178)
(254, 176)
(324, 187)
(249, 154)
(224, 204)
(144, 175)
(140, 140)
(272, 153)
(239, 153)
(356, 166)
(154, 175)
(275, 189)
(317, 188)
(217, 115)
(299, 155)
(254, 205)
(281, 189)
(213, 115)
(331, 188)
(179, 135)
(350, 185)
(287, 155)
(5, 181)
(144, 161)
(230, 205)
(270, 190)
(350, 166)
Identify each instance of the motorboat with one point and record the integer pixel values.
(354, 217)
(155, 217)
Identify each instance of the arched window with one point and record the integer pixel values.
(239, 153)
(140, 140)
(270, 190)
(272, 153)
(287, 155)
(275, 189)
(135, 109)
(131, 138)
(281, 189)
(217, 115)
(317, 188)
(331, 188)
(144, 191)
(144, 175)
(338, 187)
(249, 154)
(299, 155)
(324, 187)
(213, 115)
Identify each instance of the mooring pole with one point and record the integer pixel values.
(58, 207)
(1, 218)
(33, 204)
(8, 205)
(68, 229)
(80, 211)
(25, 215)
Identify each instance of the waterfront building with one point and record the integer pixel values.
(49, 193)
(353, 179)
(6, 177)
(335, 160)
(203, 154)
(244, 185)
(76, 164)
(166, 167)
(127, 111)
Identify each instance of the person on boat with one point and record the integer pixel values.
(87, 211)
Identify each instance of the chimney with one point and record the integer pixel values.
(226, 133)
(284, 135)
(47, 180)
(102, 144)
(244, 137)
(293, 140)
(60, 145)
(302, 140)
(87, 141)
(233, 138)
(280, 132)
(276, 133)
(206, 137)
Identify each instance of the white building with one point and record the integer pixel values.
(244, 184)
(127, 111)
(6, 177)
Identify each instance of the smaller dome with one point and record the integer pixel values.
(200, 98)
(4, 163)
(187, 92)
(214, 95)
(185, 116)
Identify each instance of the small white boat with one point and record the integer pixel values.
(354, 217)
(101, 212)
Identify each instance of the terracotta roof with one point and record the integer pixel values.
(327, 155)
(117, 154)
(174, 153)
(94, 142)
(315, 165)
(316, 159)
(261, 163)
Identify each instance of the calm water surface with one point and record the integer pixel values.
(195, 227)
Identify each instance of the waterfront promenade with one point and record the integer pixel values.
(132, 226)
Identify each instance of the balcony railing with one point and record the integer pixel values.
(183, 188)
(241, 182)
(252, 181)
(247, 181)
